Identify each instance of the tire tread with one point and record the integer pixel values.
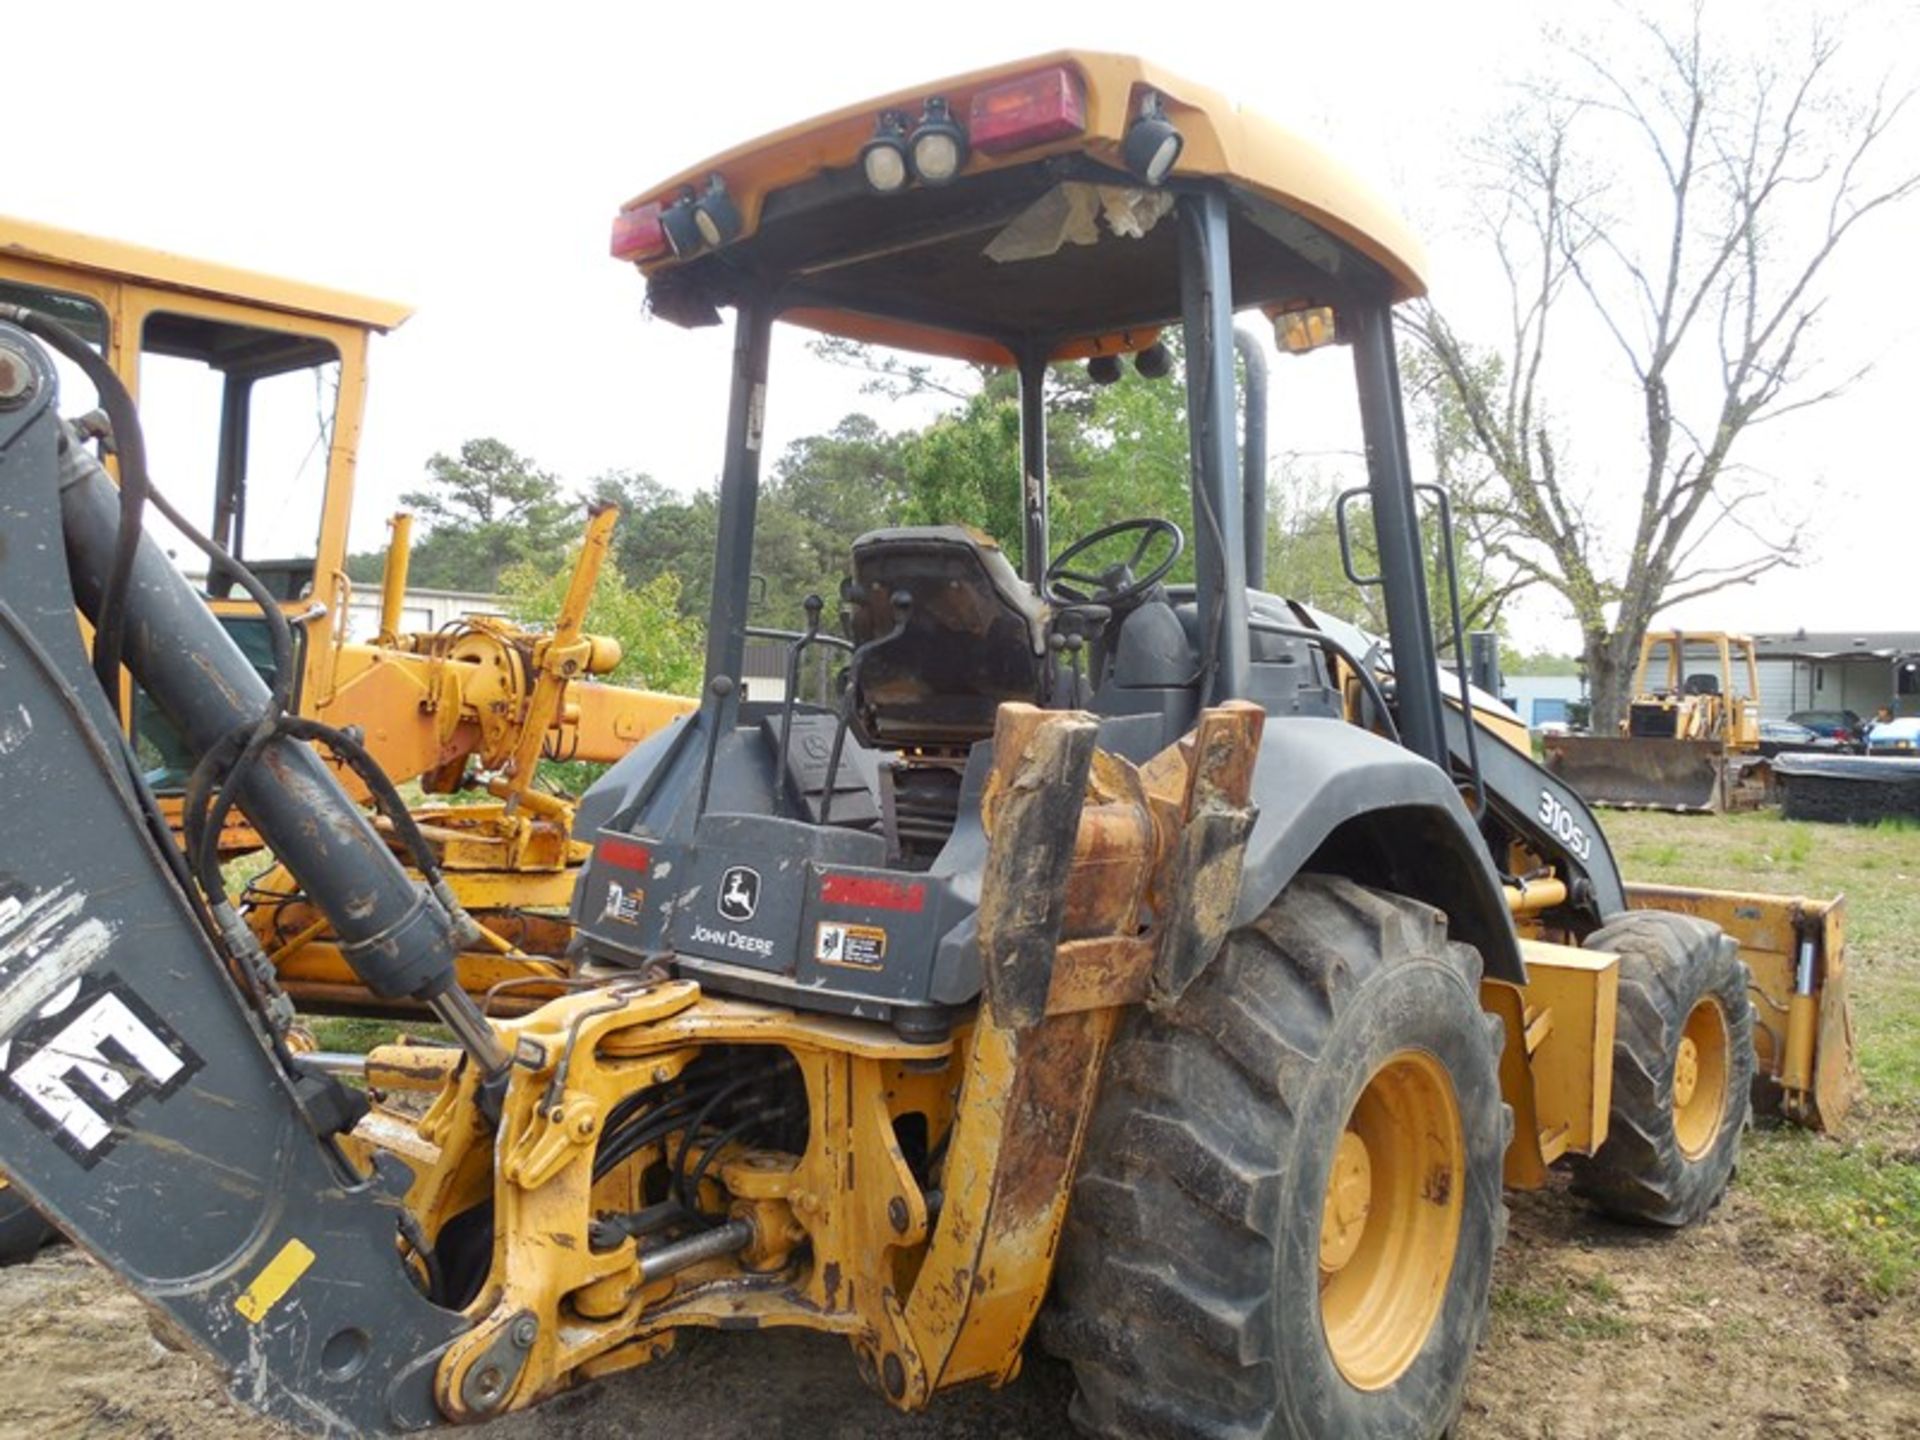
(1163, 1294)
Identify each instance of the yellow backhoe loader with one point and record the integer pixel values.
(1113, 965)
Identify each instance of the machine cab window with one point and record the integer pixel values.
(243, 427)
(240, 432)
(82, 314)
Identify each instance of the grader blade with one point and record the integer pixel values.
(1642, 774)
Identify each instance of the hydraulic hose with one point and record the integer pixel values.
(110, 622)
(399, 940)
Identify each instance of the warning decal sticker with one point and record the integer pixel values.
(623, 904)
(860, 947)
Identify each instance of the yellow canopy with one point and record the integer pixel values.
(903, 305)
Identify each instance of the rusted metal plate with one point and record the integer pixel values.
(1036, 792)
(1017, 1138)
(1203, 883)
(1096, 973)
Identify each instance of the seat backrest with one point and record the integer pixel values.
(976, 635)
(1703, 684)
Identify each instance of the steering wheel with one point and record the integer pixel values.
(1115, 584)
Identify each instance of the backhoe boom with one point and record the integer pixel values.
(146, 1108)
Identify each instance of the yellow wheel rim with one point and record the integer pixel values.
(1700, 1078)
(1390, 1219)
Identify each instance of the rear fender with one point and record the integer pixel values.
(1339, 800)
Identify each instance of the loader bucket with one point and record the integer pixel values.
(1795, 950)
(1639, 773)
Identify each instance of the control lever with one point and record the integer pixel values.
(813, 605)
(902, 601)
(1073, 627)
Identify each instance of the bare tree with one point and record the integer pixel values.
(1677, 207)
(1487, 535)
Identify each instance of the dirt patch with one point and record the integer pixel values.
(1736, 1329)
(79, 1361)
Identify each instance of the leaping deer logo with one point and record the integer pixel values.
(739, 893)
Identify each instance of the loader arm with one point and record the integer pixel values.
(1794, 947)
(1530, 806)
(147, 1107)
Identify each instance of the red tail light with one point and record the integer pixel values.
(1029, 111)
(638, 234)
(626, 854)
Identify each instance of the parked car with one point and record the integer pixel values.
(1784, 737)
(1843, 725)
(1895, 737)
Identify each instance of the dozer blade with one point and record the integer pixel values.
(1686, 775)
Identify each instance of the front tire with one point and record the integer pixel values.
(1682, 1070)
(1290, 1195)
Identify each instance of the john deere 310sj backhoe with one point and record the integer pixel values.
(1117, 966)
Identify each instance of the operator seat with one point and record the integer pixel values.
(1703, 684)
(976, 635)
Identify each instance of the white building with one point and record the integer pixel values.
(1858, 671)
(421, 611)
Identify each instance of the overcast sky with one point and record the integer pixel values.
(467, 160)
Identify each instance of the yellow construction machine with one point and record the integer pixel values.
(255, 389)
(1691, 739)
(471, 708)
(254, 392)
(1112, 965)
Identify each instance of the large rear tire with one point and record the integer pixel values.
(1682, 1070)
(1290, 1195)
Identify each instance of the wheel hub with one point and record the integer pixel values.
(1390, 1219)
(1701, 1066)
(1343, 1219)
(1686, 1073)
